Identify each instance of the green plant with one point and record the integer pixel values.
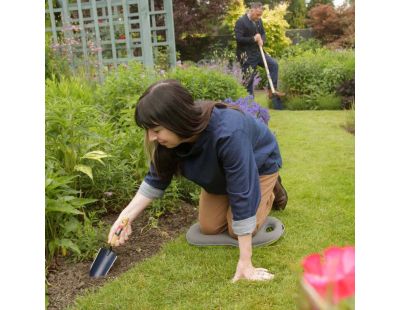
(56, 65)
(296, 14)
(62, 204)
(316, 73)
(296, 103)
(168, 202)
(299, 48)
(88, 234)
(122, 88)
(275, 27)
(204, 83)
(311, 102)
(76, 136)
(72, 127)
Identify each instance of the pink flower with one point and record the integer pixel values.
(332, 274)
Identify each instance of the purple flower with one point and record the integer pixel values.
(248, 105)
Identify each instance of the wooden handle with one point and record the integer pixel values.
(267, 70)
(119, 229)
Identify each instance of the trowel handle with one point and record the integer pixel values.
(123, 224)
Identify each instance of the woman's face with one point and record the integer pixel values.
(164, 137)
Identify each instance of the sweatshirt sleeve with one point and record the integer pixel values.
(239, 33)
(262, 32)
(153, 186)
(242, 179)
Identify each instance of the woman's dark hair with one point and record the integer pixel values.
(167, 103)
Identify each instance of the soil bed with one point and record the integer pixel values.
(69, 280)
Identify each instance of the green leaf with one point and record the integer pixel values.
(77, 202)
(62, 208)
(72, 225)
(96, 155)
(66, 243)
(85, 169)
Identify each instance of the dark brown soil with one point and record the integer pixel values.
(69, 280)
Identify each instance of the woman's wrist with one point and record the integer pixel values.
(245, 248)
(135, 207)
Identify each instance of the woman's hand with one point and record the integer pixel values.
(245, 269)
(131, 212)
(248, 272)
(120, 231)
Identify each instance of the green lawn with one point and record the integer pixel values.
(318, 174)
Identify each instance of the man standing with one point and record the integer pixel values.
(250, 34)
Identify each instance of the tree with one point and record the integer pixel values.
(236, 9)
(334, 27)
(313, 3)
(275, 27)
(197, 17)
(271, 3)
(296, 14)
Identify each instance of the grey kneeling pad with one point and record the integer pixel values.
(269, 233)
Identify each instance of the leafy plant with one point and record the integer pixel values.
(275, 27)
(314, 102)
(122, 88)
(197, 17)
(301, 47)
(56, 65)
(71, 121)
(316, 73)
(208, 83)
(62, 204)
(296, 13)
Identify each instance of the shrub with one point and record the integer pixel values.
(123, 86)
(347, 91)
(328, 102)
(76, 136)
(275, 27)
(211, 84)
(309, 102)
(316, 73)
(56, 65)
(62, 206)
(301, 47)
(334, 27)
(75, 131)
(296, 14)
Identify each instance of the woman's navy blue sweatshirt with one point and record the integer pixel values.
(227, 159)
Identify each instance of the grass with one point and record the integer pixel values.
(318, 173)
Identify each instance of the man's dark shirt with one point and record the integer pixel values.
(245, 30)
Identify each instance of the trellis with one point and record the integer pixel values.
(112, 32)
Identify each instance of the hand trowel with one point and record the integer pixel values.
(106, 257)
